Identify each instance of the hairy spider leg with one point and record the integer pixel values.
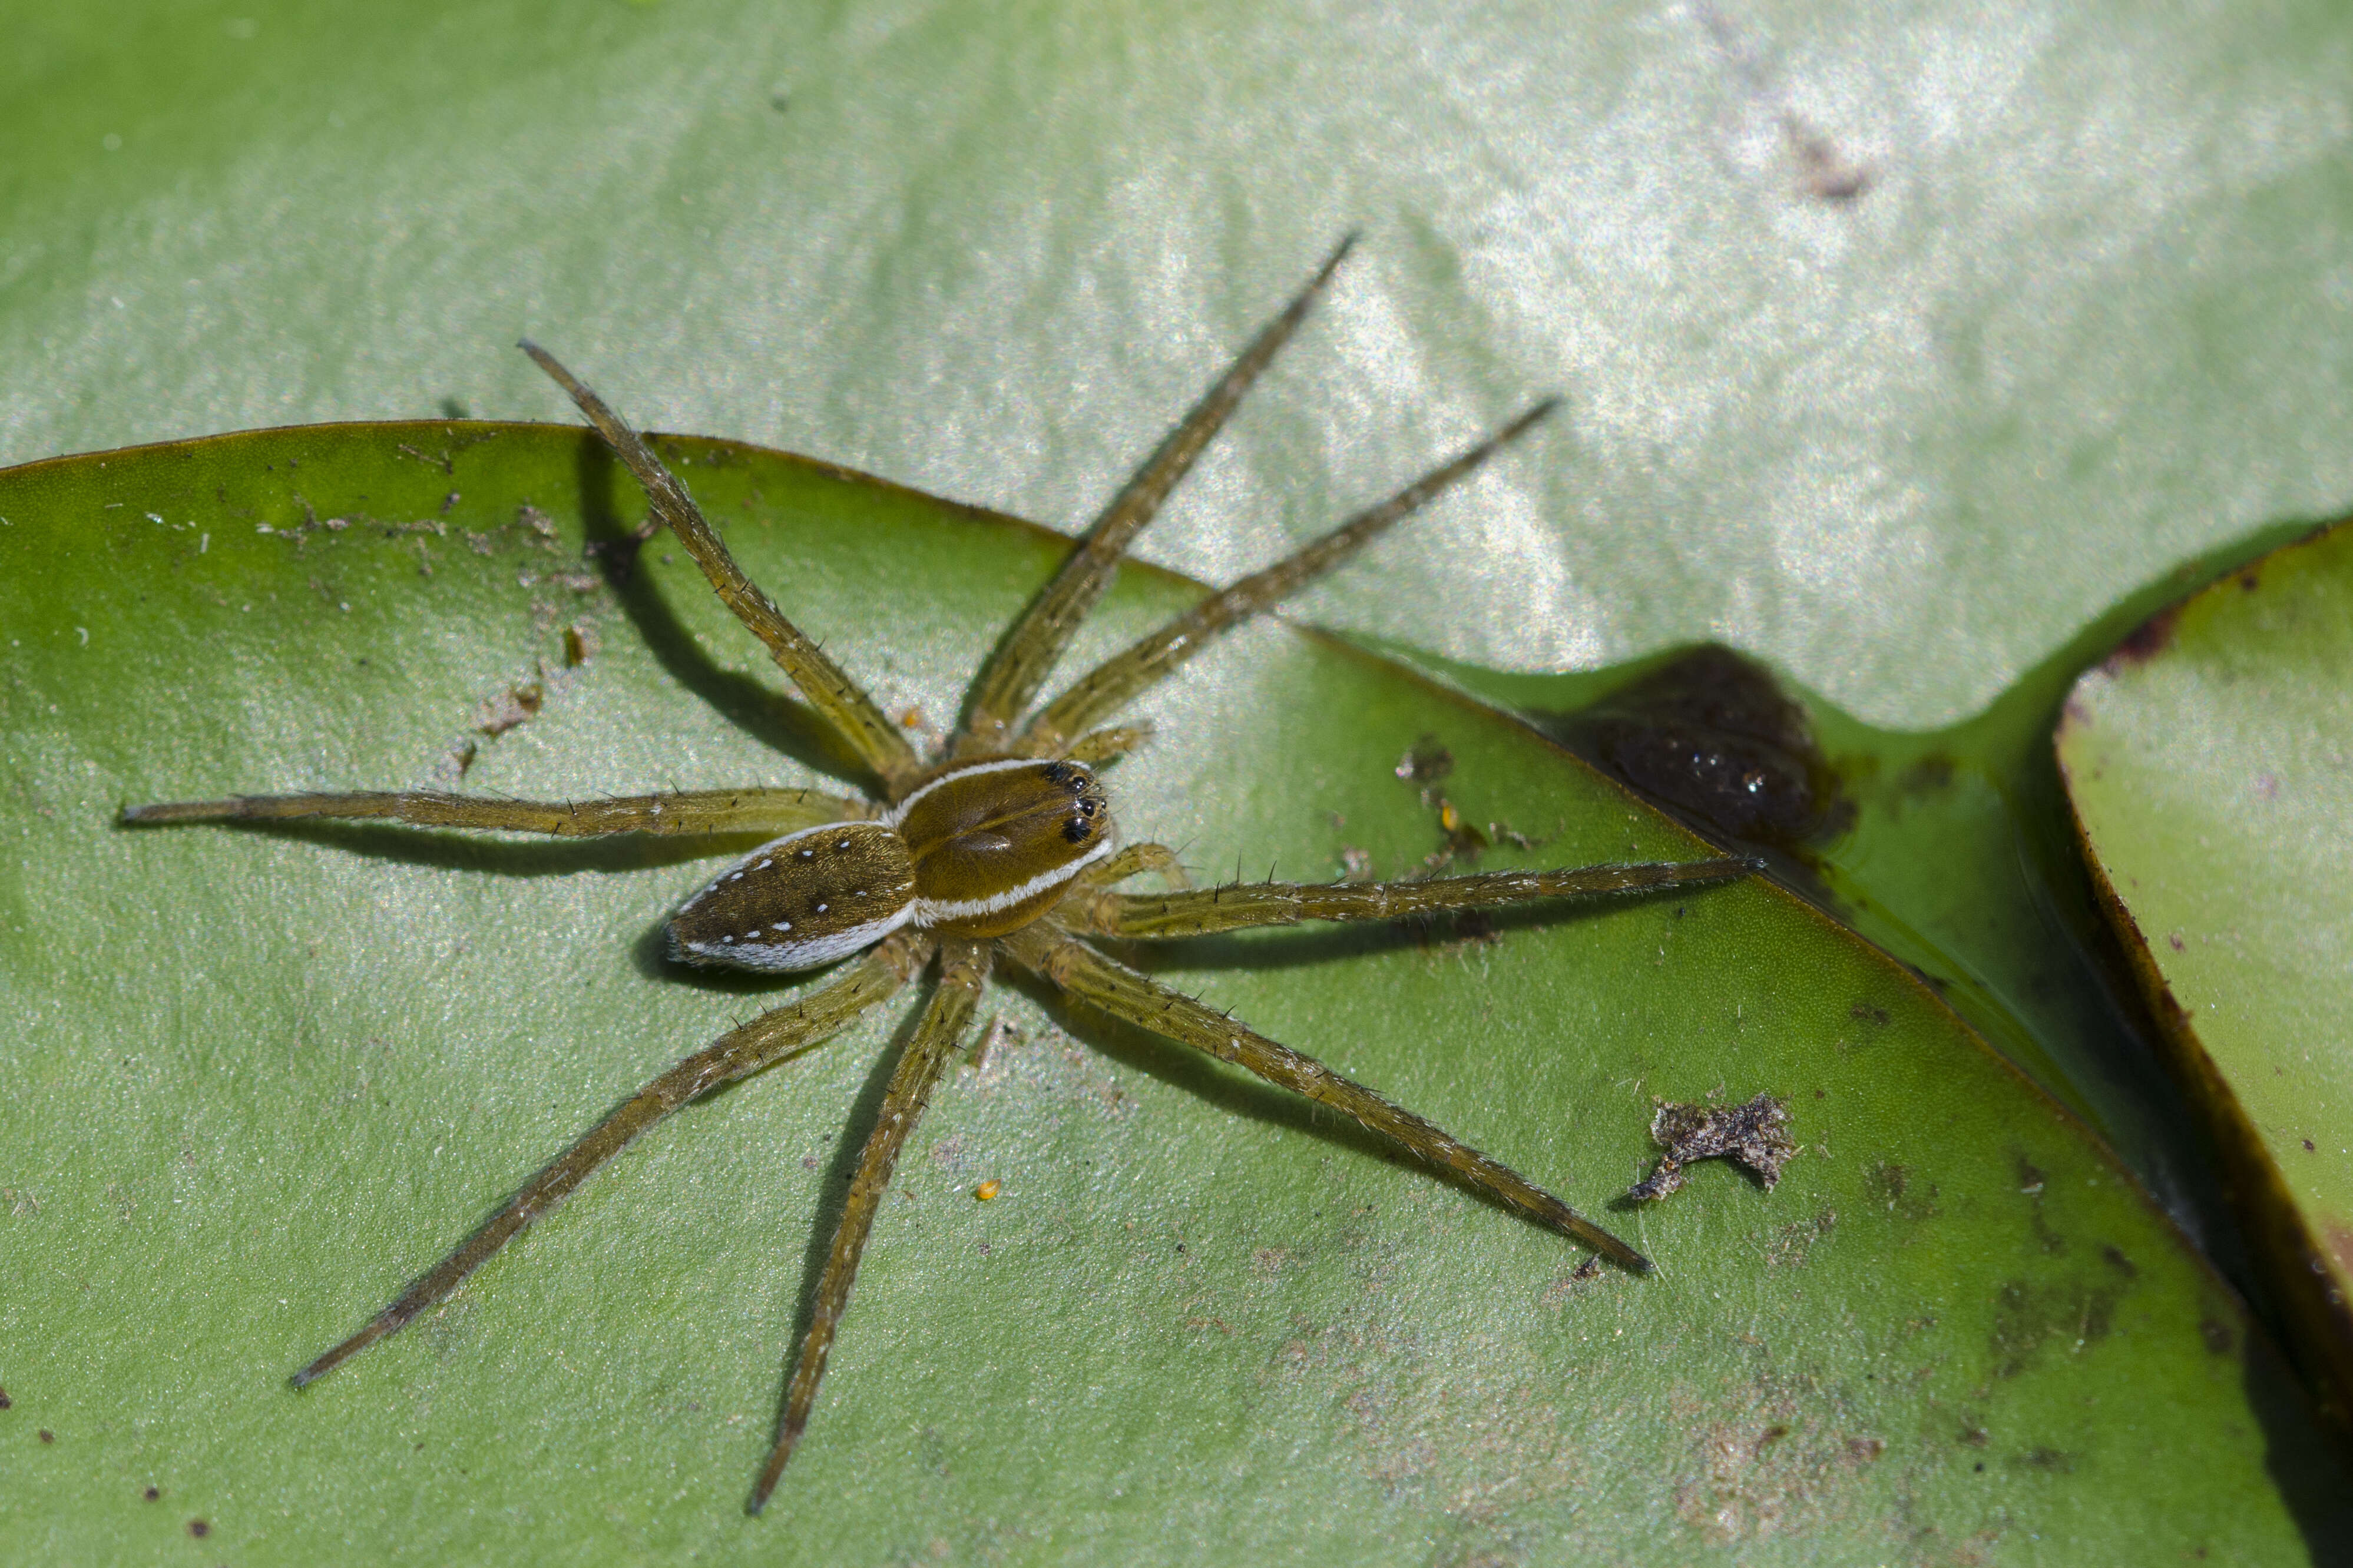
(1031, 646)
(765, 811)
(1238, 906)
(766, 1040)
(1079, 970)
(1119, 680)
(1132, 861)
(963, 967)
(841, 700)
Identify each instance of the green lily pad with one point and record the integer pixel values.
(256, 1079)
(2208, 762)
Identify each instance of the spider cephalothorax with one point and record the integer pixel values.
(1001, 847)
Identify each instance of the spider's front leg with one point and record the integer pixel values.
(762, 811)
(739, 1053)
(1073, 967)
(963, 969)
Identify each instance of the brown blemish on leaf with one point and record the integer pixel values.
(1753, 1136)
(2114, 1257)
(1823, 172)
(1793, 1244)
(1776, 1468)
(1928, 775)
(5, 1400)
(2027, 1317)
(1863, 1012)
(2217, 1336)
(47, 1436)
(2052, 1461)
(199, 1527)
(153, 1493)
(2144, 642)
(580, 644)
(2031, 1181)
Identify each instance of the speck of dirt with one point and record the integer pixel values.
(1753, 1136)
(1426, 762)
(514, 706)
(152, 1494)
(47, 1436)
(199, 1527)
(2308, 1148)
(5, 1400)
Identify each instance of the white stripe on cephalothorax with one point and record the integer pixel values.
(898, 813)
(748, 954)
(931, 911)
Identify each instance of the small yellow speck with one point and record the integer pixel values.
(986, 1190)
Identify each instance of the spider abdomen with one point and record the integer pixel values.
(801, 900)
(996, 843)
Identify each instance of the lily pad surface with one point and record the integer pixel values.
(2211, 765)
(251, 1081)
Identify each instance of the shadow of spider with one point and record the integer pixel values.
(1000, 847)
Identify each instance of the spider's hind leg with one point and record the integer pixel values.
(737, 1054)
(1073, 967)
(961, 971)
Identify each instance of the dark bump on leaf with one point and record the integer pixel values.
(1711, 738)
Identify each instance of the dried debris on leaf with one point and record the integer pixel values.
(1753, 1136)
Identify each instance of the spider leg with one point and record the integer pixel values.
(1071, 966)
(1132, 861)
(961, 971)
(1102, 745)
(1103, 691)
(702, 811)
(841, 700)
(737, 1054)
(1238, 906)
(1031, 646)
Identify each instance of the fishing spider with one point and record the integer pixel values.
(1001, 847)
